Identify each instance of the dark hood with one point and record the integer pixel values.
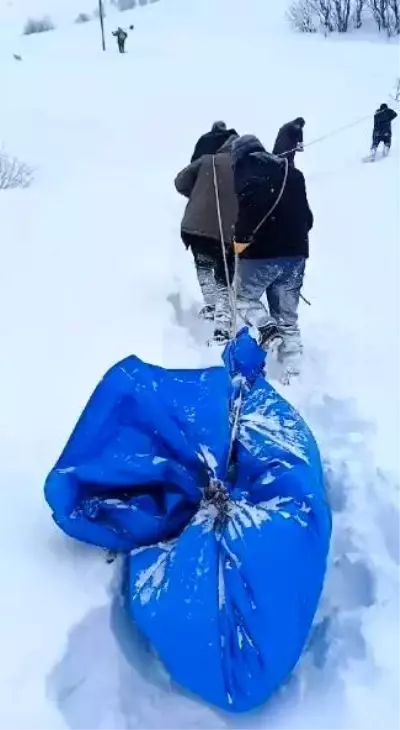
(245, 145)
(228, 145)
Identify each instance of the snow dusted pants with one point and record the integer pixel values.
(280, 280)
(211, 274)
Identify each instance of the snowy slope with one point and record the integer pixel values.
(93, 269)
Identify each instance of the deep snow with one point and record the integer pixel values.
(93, 269)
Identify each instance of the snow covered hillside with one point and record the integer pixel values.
(93, 269)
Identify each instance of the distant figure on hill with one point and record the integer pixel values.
(382, 131)
(290, 140)
(210, 142)
(121, 35)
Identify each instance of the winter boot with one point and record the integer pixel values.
(372, 154)
(207, 312)
(221, 336)
(386, 150)
(269, 336)
(290, 353)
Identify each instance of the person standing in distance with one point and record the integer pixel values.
(290, 140)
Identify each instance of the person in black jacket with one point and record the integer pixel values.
(290, 139)
(382, 131)
(210, 142)
(271, 240)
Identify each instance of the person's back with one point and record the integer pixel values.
(197, 183)
(120, 34)
(259, 179)
(383, 120)
(285, 232)
(210, 142)
(205, 180)
(382, 131)
(271, 240)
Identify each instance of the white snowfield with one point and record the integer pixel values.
(93, 269)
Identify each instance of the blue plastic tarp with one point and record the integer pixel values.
(228, 546)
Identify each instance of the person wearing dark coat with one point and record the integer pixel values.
(121, 35)
(290, 139)
(271, 239)
(200, 229)
(382, 131)
(210, 142)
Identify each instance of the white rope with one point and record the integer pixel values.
(232, 290)
(330, 134)
(231, 295)
(277, 201)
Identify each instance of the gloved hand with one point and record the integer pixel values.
(239, 247)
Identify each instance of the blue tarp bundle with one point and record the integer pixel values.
(227, 548)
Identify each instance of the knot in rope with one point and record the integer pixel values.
(216, 494)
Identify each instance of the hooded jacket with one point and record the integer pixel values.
(259, 178)
(212, 141)
(289, 137)
(196, 182)
(383, 119)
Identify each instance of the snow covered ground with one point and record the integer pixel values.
(93, 269)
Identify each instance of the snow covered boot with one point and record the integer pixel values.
(207, 312)
(221, 336)
(270, 337)
(290, 355)
(386, 150)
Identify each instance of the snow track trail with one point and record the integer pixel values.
(93, 269)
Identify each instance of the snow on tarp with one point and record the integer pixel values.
(226, 562)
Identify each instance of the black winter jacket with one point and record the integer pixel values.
(211, 142)
(288, 139)
(285, 232)
(383, 123)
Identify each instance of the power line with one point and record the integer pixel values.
(101, 18)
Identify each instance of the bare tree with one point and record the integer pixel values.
(308, 16)
(394, 16)
(342, 14)
(13, 173)
(302, 16)
(358, 12)
(323, 9)
(378, 9)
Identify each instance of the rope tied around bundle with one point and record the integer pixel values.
(217, 495)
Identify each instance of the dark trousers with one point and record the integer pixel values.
(378, 137)
(208, 258)
(211, 275)
(121, 46)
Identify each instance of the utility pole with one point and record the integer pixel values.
(101, 17)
